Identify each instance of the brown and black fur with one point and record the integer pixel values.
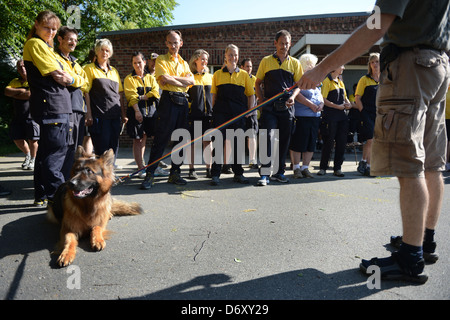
(83, 205)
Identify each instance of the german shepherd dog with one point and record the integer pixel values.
(83, 205)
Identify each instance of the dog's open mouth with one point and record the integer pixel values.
(83, 193)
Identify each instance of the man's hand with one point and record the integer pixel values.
(62, 77)
(311, 79)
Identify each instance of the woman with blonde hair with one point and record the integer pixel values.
(365, 99)
(200, 106)
(103, 99)
(50, 104)
(334, 126)
(233, 94)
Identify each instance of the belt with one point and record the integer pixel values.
(175, 93)
(391, 52)
(420, 47)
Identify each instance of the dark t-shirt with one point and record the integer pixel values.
(418, 22)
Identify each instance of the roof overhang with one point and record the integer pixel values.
(323, 44)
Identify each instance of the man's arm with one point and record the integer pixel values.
(358, 43)
(291, 101)
(17, 93)
(251, 101)
(176, 81)
(62, 77)
(88, 118)
(306, 102)
(258, 90)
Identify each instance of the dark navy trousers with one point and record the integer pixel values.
(171, 116)
(50, 158)
(283, 121)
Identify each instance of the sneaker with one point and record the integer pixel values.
(321, 172)
(160, 172)
(26, 161)
(40, 203)
(298, 174)
(148, 182)
(393, 268)
(226, 168)
(429, 251)
(208, 173)
(367, 172)
(175, 178)
(253, 165)
(240, 179)
(338, 173)
(279, 177)
(192, 174)
(362, 167)
(30, 164)
(142, 174)
(215, 181)
(307, 174)
(264, 181)
(429, 248)
(163, 165)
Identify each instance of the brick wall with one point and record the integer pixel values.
(254, 39)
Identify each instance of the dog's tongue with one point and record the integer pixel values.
(82, 193)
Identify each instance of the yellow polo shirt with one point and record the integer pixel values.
(135, 86)
(167, 65)
(104, 91)
(231, 90)
(48, 98)
(278, 76)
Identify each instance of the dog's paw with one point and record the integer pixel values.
(98, 244)
(97, 241)
(66, 258)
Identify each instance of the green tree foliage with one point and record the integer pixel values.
(95, 16)
(17, 17)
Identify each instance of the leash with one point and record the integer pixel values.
(223, 125)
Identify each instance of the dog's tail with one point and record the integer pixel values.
(122, 208)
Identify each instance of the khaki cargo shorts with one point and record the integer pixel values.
(409, 134)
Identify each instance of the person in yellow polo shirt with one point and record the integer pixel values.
(365, 98)
(334, 126)
(200, 108)
(277, 72)
(24, 131)
(233, 94)
(142, 94)
(50, 105)
(251, 119)
(68, 39)
(174, 77)
(103, 99)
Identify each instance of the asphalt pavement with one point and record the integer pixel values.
(298, 241)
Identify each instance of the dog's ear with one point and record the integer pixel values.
(79, 153)
(108, 157)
